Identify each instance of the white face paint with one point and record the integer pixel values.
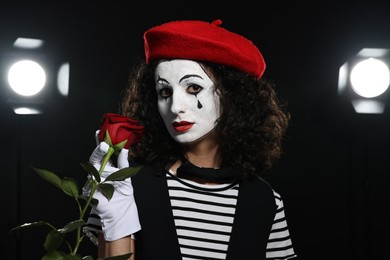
(186, 101)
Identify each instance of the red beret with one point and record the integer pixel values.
(203, 41)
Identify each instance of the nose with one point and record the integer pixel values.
(178, 105)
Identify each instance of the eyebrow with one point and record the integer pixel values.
(183, 78)
(162, 79)
(189, 76)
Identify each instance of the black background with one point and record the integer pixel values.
(334, 175)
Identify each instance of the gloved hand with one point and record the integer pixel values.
(119, 215)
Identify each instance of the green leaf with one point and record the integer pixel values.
(49, 176)
(53, 240)
(70, 186)
(119, 257)
(123, 174)
(107, 138)
(72, 226)
(53, 255)
(30, 225)
(83, 197)
(88, 184)
(106, 189)
(90, 169)
(119, 146)
(93, 202)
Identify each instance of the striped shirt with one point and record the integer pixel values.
(204, 216)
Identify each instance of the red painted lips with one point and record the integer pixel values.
(182, 126)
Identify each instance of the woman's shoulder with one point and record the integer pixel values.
(258, 182)
(259, 187)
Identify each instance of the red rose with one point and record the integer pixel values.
(120, 128)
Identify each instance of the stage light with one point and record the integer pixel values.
(36, 76)
(26, 77)
(365, 79)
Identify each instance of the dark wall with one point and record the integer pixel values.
(334, 173)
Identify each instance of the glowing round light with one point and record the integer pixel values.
(26, 77)
(370, 78)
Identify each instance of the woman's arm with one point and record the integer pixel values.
(118, 247)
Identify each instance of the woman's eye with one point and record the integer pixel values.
(165, 92)
(194, 89)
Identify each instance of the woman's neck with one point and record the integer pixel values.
(208, 158)
(202, 154)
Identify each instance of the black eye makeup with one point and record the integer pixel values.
(163, 88)
(194, 89)
(165, 92)
(189, 82)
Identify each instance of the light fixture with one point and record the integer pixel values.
(26, 77)
(365, 80)
(34, 76)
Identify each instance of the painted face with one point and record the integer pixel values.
(186, 101)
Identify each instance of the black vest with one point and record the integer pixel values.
(157, 239)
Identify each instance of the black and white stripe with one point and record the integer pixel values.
(279, 242)
(203, 217)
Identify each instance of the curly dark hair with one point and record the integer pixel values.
(252, 125)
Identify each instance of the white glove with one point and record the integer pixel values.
(119, 215)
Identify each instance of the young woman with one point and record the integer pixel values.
(213, 126)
